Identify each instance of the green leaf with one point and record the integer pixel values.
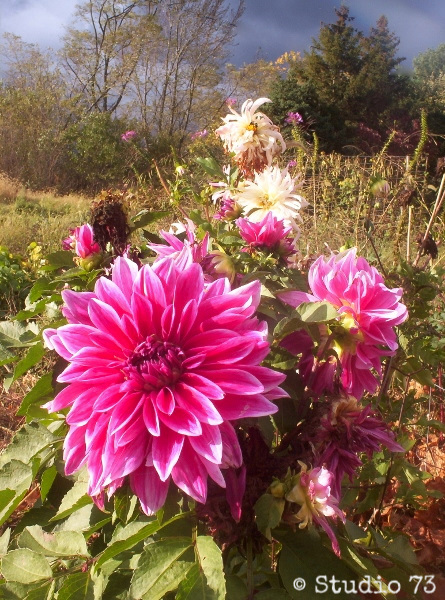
(159, 569)
(25, 566)
(132, 534)
(77, 586)
(33, 356)
(4, 541)
(317, 312)
(146, 217)
(211, 166)
(17, 477)
(210, 560)
(27, 443)
(303, 556)
(194, 586)
(286, 326)
(125, 504)
(42, 390)
(236, 588)
(16, 335)
(41, 286)
(46, 481)
(268, 511)
(431, 423)
(75, 498)
(43, 592)
(64, 543)
(59, 259)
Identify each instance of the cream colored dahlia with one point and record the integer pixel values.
(272, 190)
(252, 136)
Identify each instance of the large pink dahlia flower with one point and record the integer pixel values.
(160, 363)
(367, 310)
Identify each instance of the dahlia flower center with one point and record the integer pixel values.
(158, 363)
(252, 127)
(347, 334)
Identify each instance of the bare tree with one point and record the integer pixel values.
(103, 50)
(177, 78)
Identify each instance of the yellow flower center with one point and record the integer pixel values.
(252, 127)
(347, 334)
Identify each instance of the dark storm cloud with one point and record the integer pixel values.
(274, 27)
(268, 27)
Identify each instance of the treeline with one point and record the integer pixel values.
(160, 69)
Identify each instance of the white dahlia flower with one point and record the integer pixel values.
(272, 190)
(252, 136)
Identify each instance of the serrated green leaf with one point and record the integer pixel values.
(124, 505)
(27, 442)
(42, 390)
(210, 560)
(46, 481)
(146, 217)
(25, 566)
(18, 477)
(59, 259)
(32, 357)
(4, 541)
(132, 534)
(317, 312)
(159, 569)
(304, 556)
(41, 286)
(268, 512)
(16, 335)
(211, 166)
(236, 588)
(64, 543)
(77, 586)
(194, 586)
(75, 498)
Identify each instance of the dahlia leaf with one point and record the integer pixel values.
(31, 358)
(42, 390)
(29, 441)
(17, 477)
(146, 217)
(63, 543)
(74, 499)
(302, 553)
(132, 534)
(25, 566)
(159, 569)
(268, 512)
(317, 312)
(194, 586)
(210, 561)
(77, 586)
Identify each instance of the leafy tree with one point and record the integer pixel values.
(345, 80)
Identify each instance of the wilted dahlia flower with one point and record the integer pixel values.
(367, 311)
(159, 364)
(81, 241)
(312, 491)
(271, 191)
(347, 431)
(252, 136)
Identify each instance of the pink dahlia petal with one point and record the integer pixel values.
(166, 451)
(150, 490)
(190, 474)
(235, 488)
(209, 444)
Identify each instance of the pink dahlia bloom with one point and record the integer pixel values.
(159, 366)
(346, 432)
(367, 310)
(175, 246)
(128, 136)
(312, 491)
(81, 241)
(268, 234)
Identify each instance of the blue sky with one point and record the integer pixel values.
(268, 27)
